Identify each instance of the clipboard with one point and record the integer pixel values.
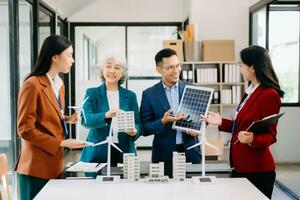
(261, 126)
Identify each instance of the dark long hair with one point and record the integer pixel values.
(53, 45)
(259, 58)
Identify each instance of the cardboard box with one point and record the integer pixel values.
(176, 45)
(217, 50)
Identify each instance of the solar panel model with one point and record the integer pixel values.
(194, 102)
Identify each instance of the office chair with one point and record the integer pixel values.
(3, 175)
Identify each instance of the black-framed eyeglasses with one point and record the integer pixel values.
(172, 67)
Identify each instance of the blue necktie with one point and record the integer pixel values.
(63, 121)
(238, 110)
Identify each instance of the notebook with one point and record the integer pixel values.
(86, 167)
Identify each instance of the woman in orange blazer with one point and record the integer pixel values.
(250, 155)
(41, 122)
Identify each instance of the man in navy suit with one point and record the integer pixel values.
(158, 112)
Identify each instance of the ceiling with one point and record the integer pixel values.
(120, 10)
(68, 8)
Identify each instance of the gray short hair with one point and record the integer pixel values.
(122, 62)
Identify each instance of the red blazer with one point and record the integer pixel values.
(39, 125)
(257, 157)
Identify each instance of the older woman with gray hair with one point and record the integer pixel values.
(103, 104)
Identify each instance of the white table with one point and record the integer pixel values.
(223, 188)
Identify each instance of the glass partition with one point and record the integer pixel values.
(259, 24)
(25, 39)
(143, 43)
(275, 26)
(6, 139)
(138, 43)
(46, 25)
(284, 50)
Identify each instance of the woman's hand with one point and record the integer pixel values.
(245, 137)
(72, 119)
(213, 118)
(72, 144)
(132, 132)
(111, 113)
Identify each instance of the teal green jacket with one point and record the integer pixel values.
(95, 108)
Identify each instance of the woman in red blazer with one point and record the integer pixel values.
(250, 155)
(41, 122)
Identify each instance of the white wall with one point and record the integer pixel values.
(132, 11)
(217, 19)
(287, 147)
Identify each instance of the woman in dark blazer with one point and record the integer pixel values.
(41, 122)
(250, 155)
(103, 104)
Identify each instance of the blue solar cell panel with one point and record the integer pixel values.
(194, 103)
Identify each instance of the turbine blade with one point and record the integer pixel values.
(195, 145)
(100, 143)
(116, 147)
(84, 101)
(212, 146)
(74, 107)
(83, 115)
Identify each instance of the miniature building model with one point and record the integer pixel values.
(179, 166)
(124, 121)
(156, 173)
(156, 170)
(131, 167)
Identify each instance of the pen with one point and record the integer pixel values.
(79, 177)
(236, 142)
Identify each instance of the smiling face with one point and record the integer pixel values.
(169, 69)
(63, 62)
(112, 71)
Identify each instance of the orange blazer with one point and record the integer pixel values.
(39, 126)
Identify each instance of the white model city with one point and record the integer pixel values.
(131, 167)
(179, 166)
(156, 173)
(122, 121)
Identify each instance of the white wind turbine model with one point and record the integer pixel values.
(123, 122)
(203, 142)
(79, 109)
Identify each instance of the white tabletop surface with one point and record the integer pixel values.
(221, 189)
